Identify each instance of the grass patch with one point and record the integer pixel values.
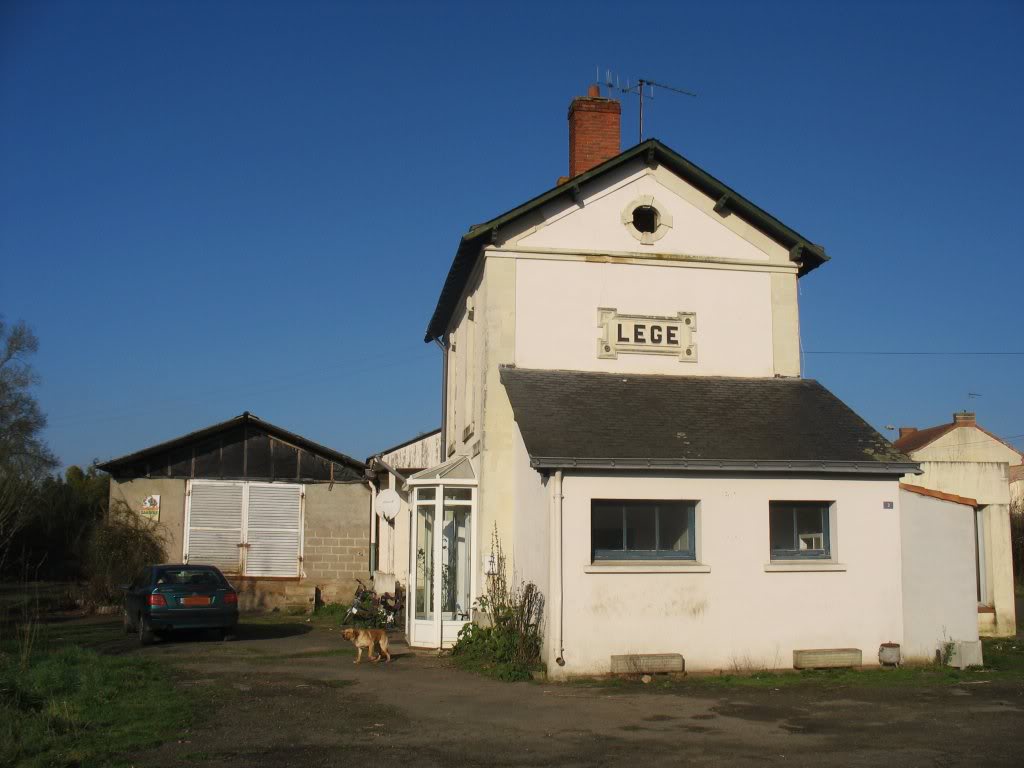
(1004, 661)
(75, 707)
(67, 700)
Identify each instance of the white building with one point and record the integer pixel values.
(624, 407)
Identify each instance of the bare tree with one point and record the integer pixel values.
(22, 452)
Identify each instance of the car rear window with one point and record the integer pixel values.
(192, 576)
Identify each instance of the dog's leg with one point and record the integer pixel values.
(384, 648)
(370, 650)
(359, 654)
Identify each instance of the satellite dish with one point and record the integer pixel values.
(388, 504)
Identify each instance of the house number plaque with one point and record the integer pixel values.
(646, 335)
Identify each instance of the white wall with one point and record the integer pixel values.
(557, 303)
(939, 597)
(738, 614)
(595, 223)
(532, 520)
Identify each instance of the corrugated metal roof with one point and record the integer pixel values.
(242, 419)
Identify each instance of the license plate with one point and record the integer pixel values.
(195, 601)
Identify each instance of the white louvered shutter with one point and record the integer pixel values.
(274, 528)
(215, 525)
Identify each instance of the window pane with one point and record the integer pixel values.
(606, 525)
(799, 529)
(781, 524)
(674, 527)
(640, 526)
(425, 562)
(426, 494)
(810, 529)
(456, 539)
(458, 494)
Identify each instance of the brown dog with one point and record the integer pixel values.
(367, 638)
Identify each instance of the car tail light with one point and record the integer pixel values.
(231, 598)
(157, 600)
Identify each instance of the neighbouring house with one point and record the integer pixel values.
(390, 519)
(279, 514)
(1016, 474)
(623, 407)
(962, 458)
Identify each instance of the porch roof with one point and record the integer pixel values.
(572, 419)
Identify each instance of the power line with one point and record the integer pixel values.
(902, 352)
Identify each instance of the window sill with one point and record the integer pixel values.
(809, 565)
(647, 566)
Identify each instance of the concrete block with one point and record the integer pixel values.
(827, 658)
(966, 653)
(647, 663)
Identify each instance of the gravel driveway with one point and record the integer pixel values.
(288, 695)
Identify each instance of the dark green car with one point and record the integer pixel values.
(167, 597)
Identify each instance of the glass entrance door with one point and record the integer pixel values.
(443, 550)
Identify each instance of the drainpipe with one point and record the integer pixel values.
(374, 555)
(556, 528)
(444, 398)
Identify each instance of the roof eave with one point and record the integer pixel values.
(728, 465)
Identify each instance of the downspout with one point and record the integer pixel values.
(374, 554)
(556, 528)
(444, 398)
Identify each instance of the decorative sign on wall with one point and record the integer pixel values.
(646, 335)
(151, 507)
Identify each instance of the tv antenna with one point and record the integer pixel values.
(639, 88)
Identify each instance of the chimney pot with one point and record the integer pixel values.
(594, 131)
(904, 431)
(965, 419)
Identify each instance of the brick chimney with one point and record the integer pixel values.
(593, 131)
(904, 431)
(965, 419)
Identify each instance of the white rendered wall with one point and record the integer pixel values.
(737, 615)
(595, 222)
(557, 303)
(939, 598)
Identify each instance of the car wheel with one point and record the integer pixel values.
(145, 631)
(228, 634)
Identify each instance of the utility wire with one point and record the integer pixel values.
(873, 352)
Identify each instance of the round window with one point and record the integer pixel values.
(646, 219)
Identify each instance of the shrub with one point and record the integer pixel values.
(508, 644)
(117, 550)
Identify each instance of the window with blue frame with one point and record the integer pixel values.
(799, 530)
(642, 530)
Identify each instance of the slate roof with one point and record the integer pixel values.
(623, 421)
(808, 254)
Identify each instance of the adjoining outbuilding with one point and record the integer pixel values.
(279, 514)
(962, 458)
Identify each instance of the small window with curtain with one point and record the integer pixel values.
(800, 530)
(642, 530)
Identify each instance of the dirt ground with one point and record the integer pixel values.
(287, 694)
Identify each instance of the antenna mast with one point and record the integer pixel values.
(638, 89)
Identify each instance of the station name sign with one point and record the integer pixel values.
(646, 335)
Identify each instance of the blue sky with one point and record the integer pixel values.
(207, 208)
